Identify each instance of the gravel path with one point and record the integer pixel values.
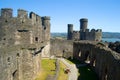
(73, 74)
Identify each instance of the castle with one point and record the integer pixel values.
(84, 33)
(25, 40)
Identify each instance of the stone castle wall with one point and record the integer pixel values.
(76, 35)
(61, 48)
(23, 41)
(84, 33)
(23, 29)
(93, 35)
(105, 62)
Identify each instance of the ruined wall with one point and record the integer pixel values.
(61, 48)
(76, 35)
(93, 35)
(20, 63)
(8, 64)
(46, 50)
(23, 29)
(105, 61)
(84, 33)
(23, 40)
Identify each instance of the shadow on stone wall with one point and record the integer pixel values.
(104, 61)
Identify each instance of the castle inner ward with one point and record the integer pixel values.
(25, 40)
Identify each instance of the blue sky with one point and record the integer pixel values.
(102, 14)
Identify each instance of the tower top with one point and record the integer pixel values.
(70, 24)
(46, 18)
(84, 19)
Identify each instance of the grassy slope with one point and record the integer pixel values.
(62, 75)
(85, 72)
(48, 68)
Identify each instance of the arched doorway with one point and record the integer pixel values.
(87, 57)
(79, 53)
(93, 61)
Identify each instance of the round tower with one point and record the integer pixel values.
(83, 24)
(70, 31)
(46, 27)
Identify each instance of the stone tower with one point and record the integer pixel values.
(70, 31)
(84, 33)
(24, 39)
(46, 27)
(83, 24)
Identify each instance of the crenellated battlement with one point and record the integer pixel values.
(35, 18)
(6, 12)
(22, 17)
(21, 13)
(92, 30)
(24, 24)
(98, 30)
(84, 33)
(23, 39)
(46, 18)
(76, 32)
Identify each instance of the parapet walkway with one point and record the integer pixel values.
(73, 75)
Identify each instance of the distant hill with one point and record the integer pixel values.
(111, 35)
(63, 35)
(104, 35)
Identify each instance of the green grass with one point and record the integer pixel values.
(47, 68)
(62, 75)
(85, 72)
(49, 65)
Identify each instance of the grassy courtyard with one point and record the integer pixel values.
(47, 68)
(85, 72)
(62, 75)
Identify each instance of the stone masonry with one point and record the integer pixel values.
(23, 41)
(105, 61)
(84, 33)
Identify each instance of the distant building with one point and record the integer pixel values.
(84, 33)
